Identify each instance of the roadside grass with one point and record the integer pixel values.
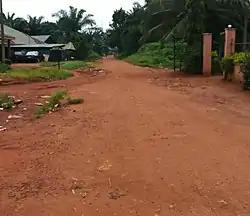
(73, 65)
(50, 64)
(56, 100)
(68, 65)
(4, 68)
(36, 74)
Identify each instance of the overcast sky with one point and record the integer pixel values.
(101, 9)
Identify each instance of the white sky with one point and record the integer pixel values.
(101, 9)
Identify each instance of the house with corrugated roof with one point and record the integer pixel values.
(44, 39)
(20, 37)
(7, 41)
(42, 43)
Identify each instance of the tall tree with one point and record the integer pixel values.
(34, 25)
(117, 27)
(9, 19)
(73, 21)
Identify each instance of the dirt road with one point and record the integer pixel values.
(144, 143)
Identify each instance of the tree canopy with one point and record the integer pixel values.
(161, 19)
(72, 25)
(153, 21)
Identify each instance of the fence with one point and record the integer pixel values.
(242, 47)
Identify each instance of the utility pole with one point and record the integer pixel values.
(2, 31)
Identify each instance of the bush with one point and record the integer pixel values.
(55, 102)
(228, 67)
(6, 102)
(157, 55)
(240, 58)
(52, 105)
(150, 47)
(216, 65)
(82, 51)
(92, 56)
(37, 74)
(4, 68)
(193, 59)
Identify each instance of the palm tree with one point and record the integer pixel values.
(73, 20)
(34, 24)
(17, 23)
(164, 17)
(9, 19)
(189, 16)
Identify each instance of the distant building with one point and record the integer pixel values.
(44, 39)
(8, 40)
(17, 41)
(19, 37)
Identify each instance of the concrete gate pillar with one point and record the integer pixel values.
(230, 34)
(207, 54)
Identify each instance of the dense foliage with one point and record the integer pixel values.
(246, 83)
(184, 20)
(160, 23)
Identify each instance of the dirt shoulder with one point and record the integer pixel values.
(144, 143)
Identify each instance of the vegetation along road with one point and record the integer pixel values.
(141, 144)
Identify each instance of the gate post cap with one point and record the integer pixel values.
(229, 29)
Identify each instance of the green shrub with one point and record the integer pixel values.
(92, 56)
(55, 102)
(246, 82)
(6, 102)
(157, 55)
(150, 47)
(228, 67)
(82, 50)
(37, 74)
(216, 65)
(193, 60)
(240, 58)
(4, 68)
(52, 105)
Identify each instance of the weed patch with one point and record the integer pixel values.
(6, 102)
(52, 104)
(55, 102)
